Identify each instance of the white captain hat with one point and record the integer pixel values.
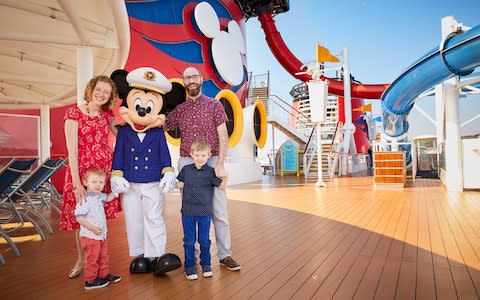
(148, 78)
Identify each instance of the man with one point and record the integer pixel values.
(203, 118)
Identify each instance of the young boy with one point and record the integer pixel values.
(197, 181)
(93, 231)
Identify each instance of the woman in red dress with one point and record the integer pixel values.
(86, 133)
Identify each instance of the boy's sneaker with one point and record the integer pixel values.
(191, 273)
(113, 278)
(229, 263)
(96, 284)
(207, 271)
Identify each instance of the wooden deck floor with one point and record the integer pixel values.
(294, 241)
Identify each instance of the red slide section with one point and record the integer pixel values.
(292, 64)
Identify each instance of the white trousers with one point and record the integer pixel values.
(220, 214)
(142, 205)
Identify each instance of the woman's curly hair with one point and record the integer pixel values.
(91, 86)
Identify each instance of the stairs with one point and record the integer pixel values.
(330, 132)
(313, 168)
(260, 93)
(293, 134)
(297, 124)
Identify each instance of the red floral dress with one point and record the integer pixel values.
(93, 151)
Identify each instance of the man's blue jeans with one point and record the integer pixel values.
(189, 237)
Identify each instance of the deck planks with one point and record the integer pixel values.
(294, 241)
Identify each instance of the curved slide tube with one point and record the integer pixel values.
(460, 55)
(292, 64)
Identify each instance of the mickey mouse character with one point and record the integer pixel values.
(142, 168)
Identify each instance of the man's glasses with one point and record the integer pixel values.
(190, 78)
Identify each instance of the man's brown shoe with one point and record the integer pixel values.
(229, 263)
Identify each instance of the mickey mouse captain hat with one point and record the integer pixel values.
(148, 78)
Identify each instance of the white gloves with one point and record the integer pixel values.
(167, 184)
(119, 184)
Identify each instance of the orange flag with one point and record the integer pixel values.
(324, 55)
(366, 107)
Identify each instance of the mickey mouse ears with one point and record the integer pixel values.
(150, 79)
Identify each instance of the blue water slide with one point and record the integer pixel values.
(458, 56)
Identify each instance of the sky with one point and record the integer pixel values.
(383, 38)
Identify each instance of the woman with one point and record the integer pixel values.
(86, 133)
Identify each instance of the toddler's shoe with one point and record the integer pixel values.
(97, 283)
(207, 271)
(113, 278)
(191, 273)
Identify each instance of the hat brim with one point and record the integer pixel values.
(148, 88)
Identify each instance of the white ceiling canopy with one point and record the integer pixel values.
(38, 47)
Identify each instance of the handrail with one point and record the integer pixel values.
(276, 98)
(249, 83)
(339, 123)
(310, 137)
(293, 108)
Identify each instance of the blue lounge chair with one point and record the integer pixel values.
(10, 177)
(34, 189)
(38, 187)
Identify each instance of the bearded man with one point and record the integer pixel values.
(203, 118)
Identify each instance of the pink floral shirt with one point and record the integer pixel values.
(197, 120)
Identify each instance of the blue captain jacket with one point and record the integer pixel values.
(141, 162)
